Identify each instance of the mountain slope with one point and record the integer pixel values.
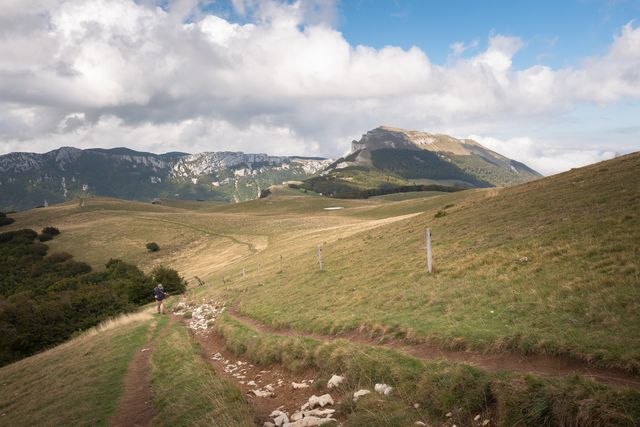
(28, 179)
(390, 157)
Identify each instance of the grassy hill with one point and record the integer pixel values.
(548, 267)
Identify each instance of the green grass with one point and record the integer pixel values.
(438, 387)
(77, 383)
(551, 266)
(187, 390)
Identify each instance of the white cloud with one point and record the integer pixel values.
(543, 157)
(116, 72)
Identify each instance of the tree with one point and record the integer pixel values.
(170, 279)
(153, 247)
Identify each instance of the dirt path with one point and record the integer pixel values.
(136, 407)
(541, 365)
(248, 377)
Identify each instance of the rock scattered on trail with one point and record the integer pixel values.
(419, 423)
(321, 401)
(335, 381)
(297, 386)
(358, 394)
(383, 389)
(202, 315)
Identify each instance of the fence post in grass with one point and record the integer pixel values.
(244, 275)
(429, 258)
(280, 263)
(320, 257)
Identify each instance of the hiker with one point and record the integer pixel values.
(160, 295)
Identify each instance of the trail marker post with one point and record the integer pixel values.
(244, 274)
(429, 257)
(320, 257)
(281, 263)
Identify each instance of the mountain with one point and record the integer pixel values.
(387, 157)
(29, 179)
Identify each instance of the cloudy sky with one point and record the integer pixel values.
(555, 86)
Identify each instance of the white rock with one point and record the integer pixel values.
(296, 386)
(416, 405)
(309, 422)
(449, 415)
(262, 393)
(476, 418)
(358, 394)
(269, 387)
(383, 389)
(268, 424)
(251, 383)
(281, 419)
(298, 415)
(276, 413)
(314, 401)
(419, 423)
(335, 381)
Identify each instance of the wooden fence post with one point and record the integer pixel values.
(281, 263)
(320, 257)
(429, 258)
(244, 275)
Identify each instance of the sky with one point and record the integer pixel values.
(554, 84)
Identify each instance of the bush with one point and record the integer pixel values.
(170, 279)
(58, 257)
(45, 237)
(440, 214)
(5, 221)
(153, 247)
(51, 230)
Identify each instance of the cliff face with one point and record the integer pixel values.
(28, 179)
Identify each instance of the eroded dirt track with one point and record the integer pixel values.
(541, 365)
(136, 406)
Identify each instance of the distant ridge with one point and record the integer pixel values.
(28, 180)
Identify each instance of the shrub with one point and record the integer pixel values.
(51, 230)
(58, 257)
(170, 279)
(440, 214)
(5, 221)
(45, 237)
(3, 215)
(153, 247)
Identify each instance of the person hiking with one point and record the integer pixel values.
(160, 295)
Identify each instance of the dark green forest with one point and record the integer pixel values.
(47, 298)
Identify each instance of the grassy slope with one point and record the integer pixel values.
(77, 383)
(576, 292)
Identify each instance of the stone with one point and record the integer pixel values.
(383, 389)
(297, 386)
(419, 423)
(358, 394)
(335, 381)
(310, 422)
(281, 419)
(321, 401)
(262, 393)
(476, 418)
